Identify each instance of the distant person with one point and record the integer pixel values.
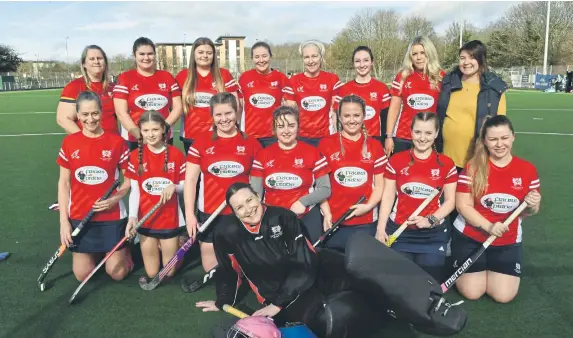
(313, 92)
(415, 89)
(261, 88)
(374, 93)
(145, 88)
(199, 82)
(95, 77)
(469, 94)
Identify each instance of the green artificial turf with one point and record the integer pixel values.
(121, 309)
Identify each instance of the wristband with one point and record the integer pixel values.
(433, 221)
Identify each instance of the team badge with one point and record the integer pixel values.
(298, 162)
(367, 157)
(373, 96)
(162, 86)
(274, 84)
(435, 173)
(517, 183)
(240, 150)
(323, 87)
(106, 155)
(170, 167)
(277, 231)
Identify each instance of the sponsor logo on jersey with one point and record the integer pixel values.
(226, 169)
(91, 175)
(283, 181)
(499, 203)
(420, 101)
(202, 100)
(155, 185)
(404, 171)
(351, 176)
(210, 150)
(416, 190)
(251, 84)
(370, 112)
(270, 164)
(300, 89)
(151, 101)
(76, 155)
(335, 156)
(262, 100)
(135, 88)
(408, 85)
(313, 103)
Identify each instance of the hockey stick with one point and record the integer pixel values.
(152, 284)
(115, 248)
(63, 247)
(392, 238)
(196, 285)
(474, 256)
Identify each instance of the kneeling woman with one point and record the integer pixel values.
(90, 161)
(264, 248)
(156, 171)
(413, 175)
(358, 163)
(493, 184)
(292, 174)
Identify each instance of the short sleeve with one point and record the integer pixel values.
(180, 78)
(69, 93)
(336, 85)
(396, 89)
(62, 159)
(534, 184)
(380, 159)
(385, 95)
(175, 89)
(464, 182)
(121, 89)
(124, 158)
(321, 166)
(288, 90)
(132, 166)
(231, 85)
(182, 165)
(452, 175)
(390, 172)
(257, 168)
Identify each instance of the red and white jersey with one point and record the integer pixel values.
(263, 94)
(75, 87)
(289, 174)
(352, 174)
(314, 97)
(94, 164)
(506, 190)
(377, 97)
(198, 118)
(155, 92)
(153, 180)
(417, 96)
(223, 161)
(414, 183)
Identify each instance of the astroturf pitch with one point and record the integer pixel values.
(29, 231)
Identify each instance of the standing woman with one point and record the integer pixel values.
(221, 157)
(415, 89)
(292, 174)
(312, 91)
(469, 94)
(203, 79)
(262, 90)
(95, 77)
(409, 178)
(145, 88)
(493, 184)
(90, 162)
(157, 173)
(374, 93)
(357, 162)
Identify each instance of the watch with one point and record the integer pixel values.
(387, 135)
(433, 221)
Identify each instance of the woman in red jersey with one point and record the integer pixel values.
(95, 77)
(292, 174)
(374, 93)
(157, 173)
(221, 157)
(493, 184)
(415, 89)
(357, 163)
(261, 88)
(145, 88)
(312, 92)
(409, 178)
(90, 162)
(203, 79)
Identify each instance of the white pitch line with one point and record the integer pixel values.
(29, 113)
(534, 133)
(46, 134)
(548, 109)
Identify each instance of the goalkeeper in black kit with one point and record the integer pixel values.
(264, 250)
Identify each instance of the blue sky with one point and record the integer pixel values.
(42, 27)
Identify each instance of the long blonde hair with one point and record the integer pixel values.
(432, 68)
(104, 76)
(479, 162)
(190, 86)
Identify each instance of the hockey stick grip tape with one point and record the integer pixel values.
(234, 311)
(212, 217)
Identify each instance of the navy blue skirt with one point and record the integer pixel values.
(98, 237)
(422, 241)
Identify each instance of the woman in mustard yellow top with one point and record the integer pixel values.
(469, 93)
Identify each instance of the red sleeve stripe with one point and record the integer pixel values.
(230, 83)
(338, 85)
(63, 156)
(288, 90)
(389, 168)
(452, 172)
(193, 152)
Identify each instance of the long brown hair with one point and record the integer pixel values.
(426, 116)
(479, 163)
(190, 85)
(104, 76)
(151, 116)
(224, 98)
(352, 99)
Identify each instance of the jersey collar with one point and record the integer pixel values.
(254, 229)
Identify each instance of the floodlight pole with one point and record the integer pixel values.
(546, 38)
